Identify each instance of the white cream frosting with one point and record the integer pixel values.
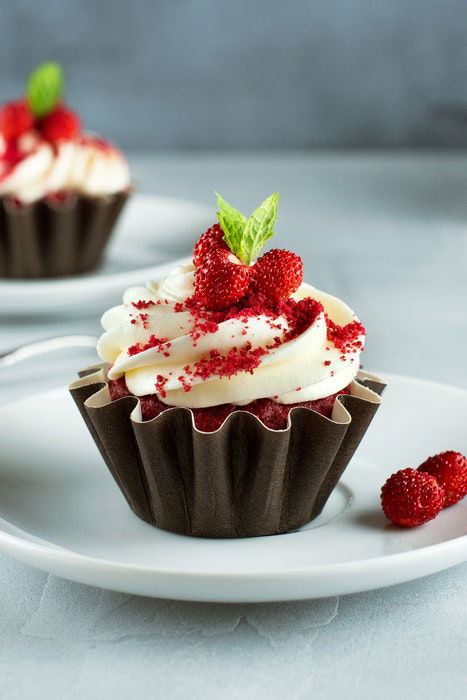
(86, 165)
(306, 368)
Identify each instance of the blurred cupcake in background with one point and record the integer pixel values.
(61, 189)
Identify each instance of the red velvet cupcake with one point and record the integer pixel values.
(232, 399)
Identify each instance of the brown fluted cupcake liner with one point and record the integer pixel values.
(53, 240)
(244, 479)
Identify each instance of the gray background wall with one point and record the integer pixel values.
(251, 73)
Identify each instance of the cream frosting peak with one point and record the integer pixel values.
(162, 347)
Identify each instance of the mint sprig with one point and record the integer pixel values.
(245, 237)
(45, 87)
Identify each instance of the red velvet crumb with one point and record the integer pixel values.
(141, 304)
(345, 338)
(153, 342)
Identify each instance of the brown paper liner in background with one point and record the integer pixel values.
(47, 240)
(243, 480)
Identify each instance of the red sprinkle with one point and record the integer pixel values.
(237, 360)
(160, 384)
(153, 342)
(141, 304)
(345, 338)
(299, 314)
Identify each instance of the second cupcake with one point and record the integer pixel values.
(61, 189)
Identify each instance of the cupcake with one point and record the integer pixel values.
(61, 189)
(230, 397)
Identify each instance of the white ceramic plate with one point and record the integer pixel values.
(151, 232)
(61, 511)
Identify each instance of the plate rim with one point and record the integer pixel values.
(455, 550)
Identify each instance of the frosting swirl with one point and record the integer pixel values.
(32, 168)
(304, 349)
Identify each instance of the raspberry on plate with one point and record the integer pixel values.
(60, 125)
(277, 274)
(450, 470)
(410, 497)
(212, 239)
(221, 281)
(15, 119)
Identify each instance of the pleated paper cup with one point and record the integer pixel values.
(46, 239)
(242, 480)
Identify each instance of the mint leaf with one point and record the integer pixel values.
(45, 87)
(233, 224)
(245, 238)
(259, 228)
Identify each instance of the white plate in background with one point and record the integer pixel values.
(61, 511)
(151, 232)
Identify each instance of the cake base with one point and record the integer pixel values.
(271, 414)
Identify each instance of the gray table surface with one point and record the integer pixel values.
(388, 233)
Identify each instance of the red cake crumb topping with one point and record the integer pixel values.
(153, 342)
(273, 415)
(160, 385)
(141, 304)
(237, 360)
(345, 338)
(300, 315)
(203, 327)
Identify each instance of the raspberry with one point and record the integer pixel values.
(221, 281)
(410, 498)
(277, 274)
(60, 125)
(209, 240)
(450, 470)
(15, 119)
